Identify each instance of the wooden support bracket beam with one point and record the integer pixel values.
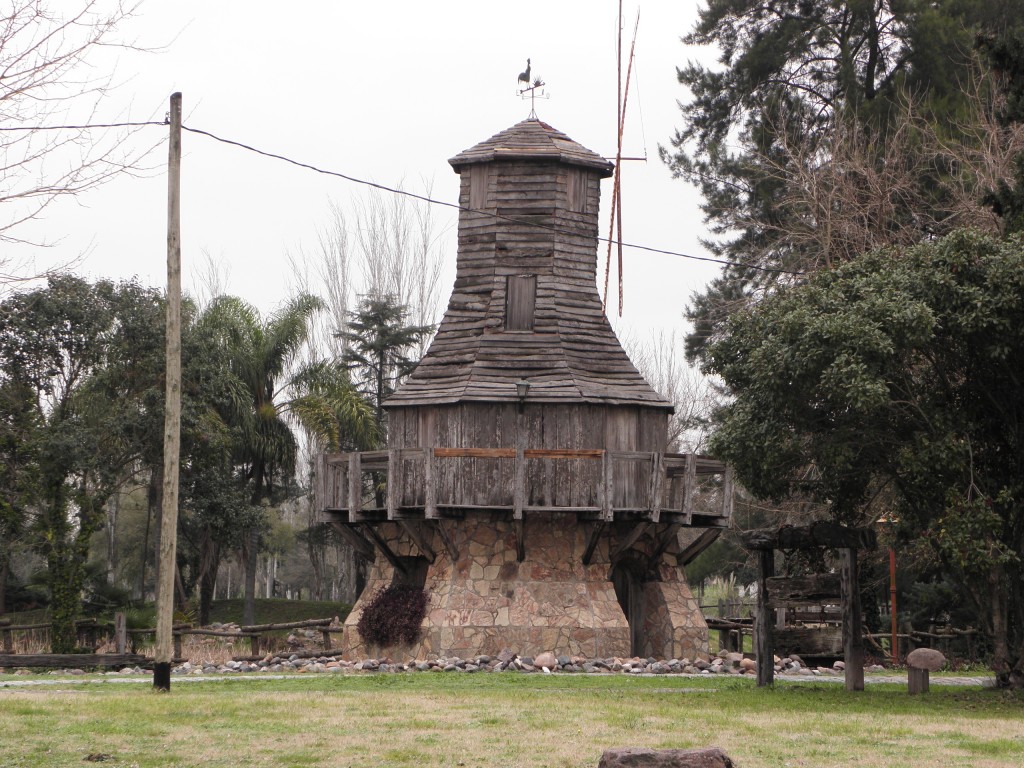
(449, 543)
(382, 545)
(664, 542)
(629, 540)
(362, 547)
(519, 528)
(394, 482)
(416, 534)
(595, 534)
(698, 545)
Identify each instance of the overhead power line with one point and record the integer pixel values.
(33, 128)
(397, 191)
(456, 206)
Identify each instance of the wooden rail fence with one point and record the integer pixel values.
(89, 632)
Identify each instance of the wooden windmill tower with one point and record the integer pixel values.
(529, 487)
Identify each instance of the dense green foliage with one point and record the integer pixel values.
(81, 426)
(897, 379)
(829, 128)
(69, 353)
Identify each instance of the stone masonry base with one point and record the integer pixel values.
(485, 600)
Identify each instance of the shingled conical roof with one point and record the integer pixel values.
(525, 303)
(534, 140)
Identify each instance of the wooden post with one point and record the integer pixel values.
(894, 645)
(394, 482)
(172, 410)
(853, 638)
(608, 485)
(728, 491)
(657, 479)
(429, 487)
(519, 485)
(689, 488)
(120, 632)
(8, 640)
(763, 645)
(355, 486)
(917, 680)
(177, 645)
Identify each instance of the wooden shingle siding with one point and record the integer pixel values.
(545, 182)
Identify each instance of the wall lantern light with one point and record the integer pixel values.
(522, 388)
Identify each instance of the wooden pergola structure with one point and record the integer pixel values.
(782, 591)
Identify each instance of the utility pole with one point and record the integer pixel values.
(172, 411)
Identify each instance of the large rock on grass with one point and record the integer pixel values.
(926, 658)
(642, 757)
(546, 659)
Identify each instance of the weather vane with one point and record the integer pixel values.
(534, 87)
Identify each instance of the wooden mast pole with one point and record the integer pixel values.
(172, 411)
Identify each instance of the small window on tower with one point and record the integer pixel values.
(576, 190)
(520, 300)
(478, 187)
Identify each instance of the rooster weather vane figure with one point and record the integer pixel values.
(534, 88)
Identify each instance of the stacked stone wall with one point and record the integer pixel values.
(487, 600)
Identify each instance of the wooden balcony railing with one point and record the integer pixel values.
(421, 483)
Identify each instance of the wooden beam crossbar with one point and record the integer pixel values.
(792, 591)
(819, 534)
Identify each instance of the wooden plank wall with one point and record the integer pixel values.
(563, 482)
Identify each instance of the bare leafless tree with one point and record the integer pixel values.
(400, 254)
(52, 80)
(326, 270)
(210, 278)
(661, 359)
(856, 191)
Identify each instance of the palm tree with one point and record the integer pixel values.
(273, 386)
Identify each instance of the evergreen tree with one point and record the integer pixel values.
(378, 347)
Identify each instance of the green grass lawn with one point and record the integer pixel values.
(501, 720)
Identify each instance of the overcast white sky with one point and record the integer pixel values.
(383, 91)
